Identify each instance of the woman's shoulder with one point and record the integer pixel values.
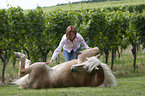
(79, 35)
(64, 37)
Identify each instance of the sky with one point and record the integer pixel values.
(32, 4)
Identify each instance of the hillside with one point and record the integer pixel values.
(93, 5)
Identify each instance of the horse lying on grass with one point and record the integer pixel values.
(40, 75)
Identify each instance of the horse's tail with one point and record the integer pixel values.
(109, 78)
(22, 82)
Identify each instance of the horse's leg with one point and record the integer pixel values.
(22, 59)
(22, 64)
(82, 57)
(23, 70)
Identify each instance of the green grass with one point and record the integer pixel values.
(95, 5)
(128, 86)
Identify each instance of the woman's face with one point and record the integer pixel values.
(72, 36)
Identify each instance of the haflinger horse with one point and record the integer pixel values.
(40, 75)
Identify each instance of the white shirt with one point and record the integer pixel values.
(69, 45)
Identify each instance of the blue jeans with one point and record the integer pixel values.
(70, 55)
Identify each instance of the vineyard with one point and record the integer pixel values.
(37, 33)
(106, 4)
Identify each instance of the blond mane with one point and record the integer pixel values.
(109, 79)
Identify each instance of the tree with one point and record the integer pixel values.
(133, 35)
(117, 25)
(11, 33)
(36, 39)
(140, 27)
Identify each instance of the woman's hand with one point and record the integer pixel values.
(49, 62)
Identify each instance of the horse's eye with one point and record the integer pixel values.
(85, 67)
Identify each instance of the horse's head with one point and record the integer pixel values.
(88, 66)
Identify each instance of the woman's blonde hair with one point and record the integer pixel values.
(70, 29)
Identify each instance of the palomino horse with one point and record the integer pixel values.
(40, 75)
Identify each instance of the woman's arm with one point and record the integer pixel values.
(58, 49)
(82, 41)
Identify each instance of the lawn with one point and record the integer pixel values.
(126, 86)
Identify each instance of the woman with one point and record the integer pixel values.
(71, 43)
